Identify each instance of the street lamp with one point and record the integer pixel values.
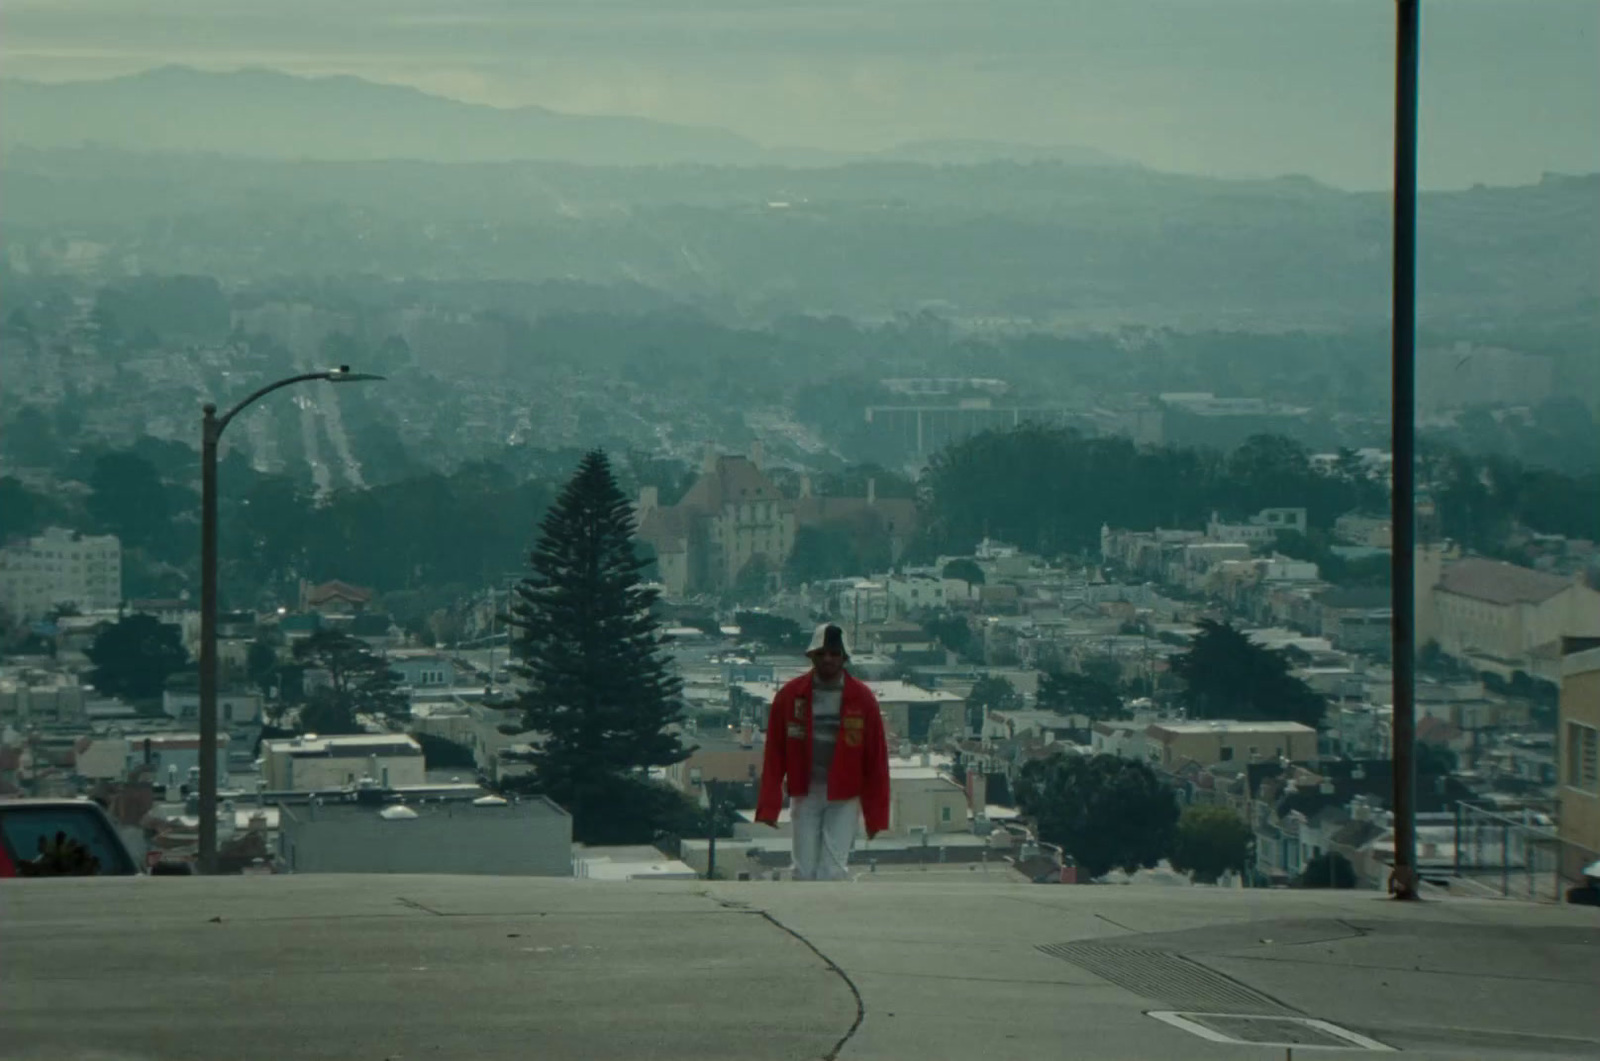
(211, 429)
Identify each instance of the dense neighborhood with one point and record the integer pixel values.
(991, 669)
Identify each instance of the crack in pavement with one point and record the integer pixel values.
(740, 907)
(861, 1008)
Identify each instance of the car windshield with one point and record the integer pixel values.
(835, 528)
(61, 840)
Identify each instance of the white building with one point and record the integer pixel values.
(60, 567)
(233, 709)
(912, 593)
(1504, 618)
(1260, 529)
(312, 763)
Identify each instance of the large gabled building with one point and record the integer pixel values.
(735, 515)
(1504, 618)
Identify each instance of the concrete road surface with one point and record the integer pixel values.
(474, 968)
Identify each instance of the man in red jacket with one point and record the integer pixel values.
(825, 737)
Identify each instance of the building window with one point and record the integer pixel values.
(1227, 752)
(1583, 757)
(944, 813)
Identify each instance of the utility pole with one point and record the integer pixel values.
(210, 432)
(1403, 880)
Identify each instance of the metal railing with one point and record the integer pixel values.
(1515, 855)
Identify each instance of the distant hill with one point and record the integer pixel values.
(979, 152)
(268, 114)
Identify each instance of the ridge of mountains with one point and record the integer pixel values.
(271, 114)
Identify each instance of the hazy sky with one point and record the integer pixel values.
(1511, 88)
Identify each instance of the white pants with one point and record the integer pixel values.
(824, 831)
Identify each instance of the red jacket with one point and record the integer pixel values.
(860, 757)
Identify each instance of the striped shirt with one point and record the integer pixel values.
(825, 701)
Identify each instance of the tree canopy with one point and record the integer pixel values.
(135, 656)
(773, 631)
(1072, 693)
(1050, 489)
(965, 569)
(1226, 675)
(990, 693)
(1106, 812)
(360, 682)
(1211, 840)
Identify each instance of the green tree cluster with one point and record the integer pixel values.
(1226, 675)
(990, 693)
(360, 682)
(772, 631)
(1105, 812)
(1211, 840)
(1073, 693)
(134, 657)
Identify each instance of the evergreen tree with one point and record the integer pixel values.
(1226, 675)
(360, 682)
(600, 689)
(1071, 693)
(990, 693)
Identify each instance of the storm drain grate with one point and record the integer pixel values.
(1269, 1030)
(1162, 976)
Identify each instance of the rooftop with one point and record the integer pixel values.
(352, 744)
(1498, 582)
(1229, 725)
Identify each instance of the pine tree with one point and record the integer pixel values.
(600, 689)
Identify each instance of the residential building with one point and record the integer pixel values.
(1226, 740)
(377, 833)
(1262, 528)
(1579, 734)
(311, 763)
(233, 708)
(864, 601)
(333, 598)
(926, 801)
(911, 593)
(730, 762)
(174, 758)
(32, 695)
(919, 715)
(1359, 528)
(422, 670)
(60, 568)
(1502, 618)
(1355, 619)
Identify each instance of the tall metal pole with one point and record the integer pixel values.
(211, 430)
(711, 844)
(1403, 881)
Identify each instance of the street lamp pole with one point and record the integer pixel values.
(211, 428)
(1403, 881)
